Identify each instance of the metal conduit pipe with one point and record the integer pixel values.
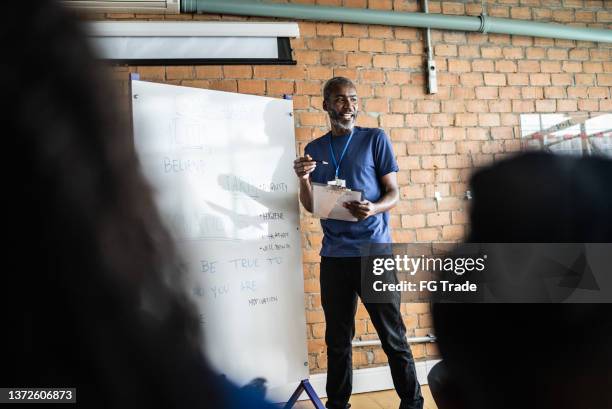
(376, 342)
(483, 23)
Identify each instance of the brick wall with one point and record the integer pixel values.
(485, 83)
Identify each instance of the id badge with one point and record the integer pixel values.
(337, 182)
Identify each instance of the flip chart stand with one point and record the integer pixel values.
(305, 386)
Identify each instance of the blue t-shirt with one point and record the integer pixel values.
(369, 157)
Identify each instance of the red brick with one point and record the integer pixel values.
(407, 33)
(179, 72)
(429, 134)
(491, 52)
(453, 8)
(483, 65)
(368, 44)
(592, 67)
(417, 120)
(532, 92)
(487, 92)
(598, 92)
(433, 162)
(377, 105)
(453, 232)
(448, 175)
(413, 221)
(438, 219)
(398, 77)
(411, 61)
(329, 29)
(224, 85)
(523, 106)
(396, 47)
(539, 79)
(441, 119)
(495, 79)
(259, 71)
(319, 44)
(572, 66)
(238, 71)
(359, 60)
(554, 92)
(579, 54)
(293, 73)
(477, 134)
(489, 120)
(520, 13)
(529, 66)
(505, 66)
(380, 32)
(385, 61)
(427, 106)
(477, 105)
(313, 118)
(604, 79)
(408, 162)
(333, 58)
(471, 79)
(319, 73)
(466, 120)
(577, 92)
(502, 105)
(563, 16)
(469, 51)
(588, 105)
(380, 4)
(402, 106)
(306, 57)
(459, 66)
(458, 161)
(567, 105)
(426, 235)
(392, 121)
(546, 105)
(453, 133)
(445, 50)
(561, 79)
(453, 106)
(513, 53)
(281, 87)
(492, 147)
(355, 30)
(372, 76)
(346, 44)
(422, 176)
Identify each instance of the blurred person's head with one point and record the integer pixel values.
(533, 355)
(92, 289)
(542, 198)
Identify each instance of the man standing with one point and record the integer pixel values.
(363, 159)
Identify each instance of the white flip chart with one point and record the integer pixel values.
(222, 167)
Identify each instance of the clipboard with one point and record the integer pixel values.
(328, 200)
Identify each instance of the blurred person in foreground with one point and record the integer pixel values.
(92, 287)
(545, 356)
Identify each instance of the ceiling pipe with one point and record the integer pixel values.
(483, 23)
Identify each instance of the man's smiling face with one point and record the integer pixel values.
(342, 107)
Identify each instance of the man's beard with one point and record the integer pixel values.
(341, 123)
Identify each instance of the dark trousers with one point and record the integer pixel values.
(340, 286)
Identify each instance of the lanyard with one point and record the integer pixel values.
(333, 157)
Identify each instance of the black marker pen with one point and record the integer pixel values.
(322, 162)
